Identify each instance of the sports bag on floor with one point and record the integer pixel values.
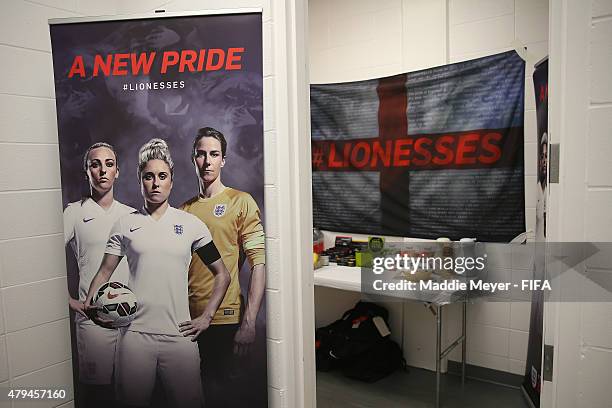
(359, 344)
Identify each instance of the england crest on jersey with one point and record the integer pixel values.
(219, 210)
(178, 229)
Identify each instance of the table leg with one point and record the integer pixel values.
(463, 343)
(403, 345)
(438, 353)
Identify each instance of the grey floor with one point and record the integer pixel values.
(412, 389)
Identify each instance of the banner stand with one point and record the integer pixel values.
(160, 129)
(532, 384)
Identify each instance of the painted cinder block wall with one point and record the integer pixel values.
(582, 105)
(353, 40)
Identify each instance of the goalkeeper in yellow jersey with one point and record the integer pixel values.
(233, 218)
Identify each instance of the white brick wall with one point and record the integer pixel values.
(581, 44)
(345, 42)
(596, 318)
(34, 336)
(34, 329)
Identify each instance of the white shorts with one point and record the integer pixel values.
(96, 346)
(143, 356)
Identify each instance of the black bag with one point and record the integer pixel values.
(378, 362)
(355, 344)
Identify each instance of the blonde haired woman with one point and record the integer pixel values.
(158, 242)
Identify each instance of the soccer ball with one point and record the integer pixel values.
(117, 303)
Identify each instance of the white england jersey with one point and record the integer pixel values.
(86, 228)
(158, 254)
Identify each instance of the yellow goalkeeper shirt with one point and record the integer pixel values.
(234, 220)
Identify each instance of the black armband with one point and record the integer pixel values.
(209, 253)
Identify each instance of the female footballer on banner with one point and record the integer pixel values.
(233, 218)
(87, 224)
(158, 242)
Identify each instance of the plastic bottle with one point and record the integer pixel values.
(318, 244)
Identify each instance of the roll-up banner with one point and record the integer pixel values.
(533, 373)
(427, 154)
(161, 155)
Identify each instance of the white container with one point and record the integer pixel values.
(467, 249)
